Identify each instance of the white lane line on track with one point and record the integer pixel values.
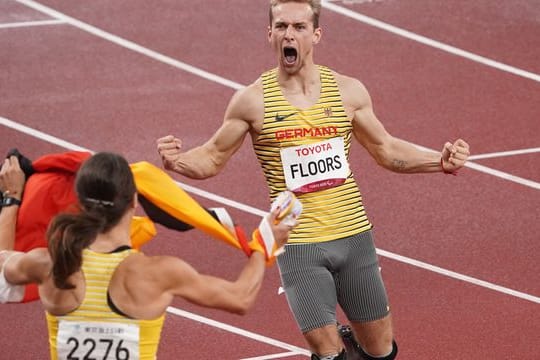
(430, 42)
(504, 153)
(222, 200)
(212, 77)
(70, 146)
(238, 331)
(503, 175)
(494, 172)
(273, 356)
(130, 45)
(42, 136)
(458, 276)
(31, 23)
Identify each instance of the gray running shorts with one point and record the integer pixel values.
(316, 277)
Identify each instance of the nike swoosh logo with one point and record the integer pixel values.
(283, 117)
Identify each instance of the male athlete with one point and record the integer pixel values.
(301, 118)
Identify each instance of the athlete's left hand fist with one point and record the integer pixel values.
(169, 148)
(454, 156)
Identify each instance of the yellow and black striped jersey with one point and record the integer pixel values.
(94, 330)
(332, 205)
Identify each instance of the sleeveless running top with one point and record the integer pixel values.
(94, 330)
(307, 151)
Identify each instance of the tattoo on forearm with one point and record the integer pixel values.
(399, 165)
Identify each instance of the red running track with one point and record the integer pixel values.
(480, 231)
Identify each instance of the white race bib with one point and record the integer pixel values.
(97, 340)
(316, 166)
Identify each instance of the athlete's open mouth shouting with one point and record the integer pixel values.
(290, 54)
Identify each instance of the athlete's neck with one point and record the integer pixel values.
(304, 77)
(118, 236)
(302, 89)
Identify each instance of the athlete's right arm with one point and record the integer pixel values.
(14, 274)
(214, 292)
(16, 268)
(208, 159)
(178, 278)
(25, 268)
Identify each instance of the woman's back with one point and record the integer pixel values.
(103, 299)
(97, 328)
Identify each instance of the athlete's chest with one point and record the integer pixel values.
(297, 114)
(302, 97)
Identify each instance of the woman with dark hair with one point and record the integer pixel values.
(101, 296)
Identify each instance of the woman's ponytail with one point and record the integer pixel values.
(105, 190)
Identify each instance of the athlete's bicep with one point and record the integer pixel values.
(228, 138)
(25, 268)
(204, 290)
(236, 125)
(367, 128)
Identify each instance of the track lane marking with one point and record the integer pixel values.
(46, 137)
(238, 331)
(213, 77)
(130, 44)
(458, 276)
(31, 23)
(493, 172)
(70, 146)
(273, 356)
(505, 153)
(235, 85)
(430, 42)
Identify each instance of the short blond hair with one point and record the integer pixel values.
(315, 6)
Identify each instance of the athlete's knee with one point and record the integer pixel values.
(375, 337)
(341, 356)
(378, 347)
(390, 356)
